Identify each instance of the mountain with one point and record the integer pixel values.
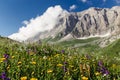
(93, 22)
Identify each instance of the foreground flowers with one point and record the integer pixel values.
(50, 63)
(33, 79)
(24, 78)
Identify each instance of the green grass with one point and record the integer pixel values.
(53, 62)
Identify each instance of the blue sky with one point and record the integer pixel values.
(14, 12)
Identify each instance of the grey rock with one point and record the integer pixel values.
(91, 22)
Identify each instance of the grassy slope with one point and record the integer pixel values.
(6, 43)
(113, 48)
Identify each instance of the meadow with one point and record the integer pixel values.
(52, 62)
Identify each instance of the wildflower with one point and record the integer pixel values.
(33, 62)
(100, 63)
(6, 56)
(13, 57)
(97, 73)
(32, 73)
(84, 78)
(71, 66)
(65, 63)
(75, 70)
(63, 51)
(33, 79)
(49, 71)
(65, 69)
(102, 69)
(4, 77)
(19, 62)
(2, 59)
(113, 65)
(56, 55)
(59, 65)
(8, 67)
(44, 57)
(24, 78)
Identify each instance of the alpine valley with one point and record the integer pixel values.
(100, 23)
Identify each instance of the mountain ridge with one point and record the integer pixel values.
(100, 22)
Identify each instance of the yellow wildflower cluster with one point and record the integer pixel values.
(23, 78)
(19, 62)
(84, 78)
(33, 79)
(59, 65)
(97, 73)
(33, 62)
(2, 59)
(50, 71)
(12, 57)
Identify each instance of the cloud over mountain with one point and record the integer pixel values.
(39, 24)
(73, 7)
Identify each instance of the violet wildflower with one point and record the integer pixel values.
(65, 69)
(65, 63)
(100, 63)
(6, 56)
(63, 51)
(104, 71)
(4, 77)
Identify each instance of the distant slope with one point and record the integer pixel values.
(113, 48)
(4, 41)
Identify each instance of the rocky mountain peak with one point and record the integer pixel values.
(93, 22)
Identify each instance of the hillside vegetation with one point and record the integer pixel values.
(55, 62)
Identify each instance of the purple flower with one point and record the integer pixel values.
(63, 51)
(100, 63)
(65, 63)
(104, 71)
(6, 56)
(4, 77)
(65, 69)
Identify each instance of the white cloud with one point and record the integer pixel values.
(104, 0)
(47, 21)
(117, 1)
(84, 1)
(73, 7)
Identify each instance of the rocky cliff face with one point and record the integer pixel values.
(94, 22)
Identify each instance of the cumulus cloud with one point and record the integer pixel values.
(84, 1)
(47, 21)
(73, 7)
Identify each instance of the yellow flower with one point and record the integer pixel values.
(113, 65)
(56, 55)
(19, 62)
(49, 71)
(33, 62)
(13, 57)
(84, 78)
(24, 78)
(75, 70)
(97, 73)
(8, 67)
(33, 79)
(71, 66)
(32, 73)
(2, 59)
(59, 65)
